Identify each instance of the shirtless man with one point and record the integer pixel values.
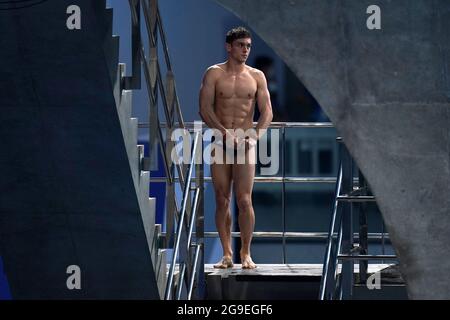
(228, 94)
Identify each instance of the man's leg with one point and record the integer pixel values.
(243, 175)
(221, 178)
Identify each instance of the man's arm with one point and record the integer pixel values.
(206, 101)
(264, 104)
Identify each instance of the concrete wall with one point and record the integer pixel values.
(388, 93)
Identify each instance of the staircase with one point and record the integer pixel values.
(339, 279)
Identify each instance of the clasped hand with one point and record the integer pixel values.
(240, 142)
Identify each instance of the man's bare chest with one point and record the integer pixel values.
(241, 87)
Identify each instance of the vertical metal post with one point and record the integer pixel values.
(363, 230)
(170, 193)
(382, 237)
(199, 227)
(153, 71)
(283, 191)
(153, 110)
(347, 224)
(180, 281)
(327, 283)
(180, 224)
(167, 99)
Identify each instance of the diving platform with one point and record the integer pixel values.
(293, 282)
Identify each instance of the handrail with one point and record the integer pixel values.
(194, 270)
(159, 25)
(151, 96)
(335, 265)
(163, 93)
(160, 84)
(283, 194)
(193, 216)
(273, 125)
(181, 222)
(326, 263)
(208, 179)
(163, 39)
(290, 235)
(169, 66)
(181, 280)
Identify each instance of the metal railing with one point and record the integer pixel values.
(340, 247)
(280, 180)
(179, 233)
(184, 248)
(283, 179)
(314, 236)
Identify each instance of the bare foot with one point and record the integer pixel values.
(247, 262)
(225, 263)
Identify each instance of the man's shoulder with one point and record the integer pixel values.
(255, 72)
(214, 71)
(215, 68)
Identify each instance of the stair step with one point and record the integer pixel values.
(146, 206)
(161, 271)
(133, 133)
(125, 106)
(144, 182)
(131, 143)
(153, 237)
(116, 84)
(152, 206)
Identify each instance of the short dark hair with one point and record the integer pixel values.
(237, 33)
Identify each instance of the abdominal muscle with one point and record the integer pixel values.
(235, 113)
